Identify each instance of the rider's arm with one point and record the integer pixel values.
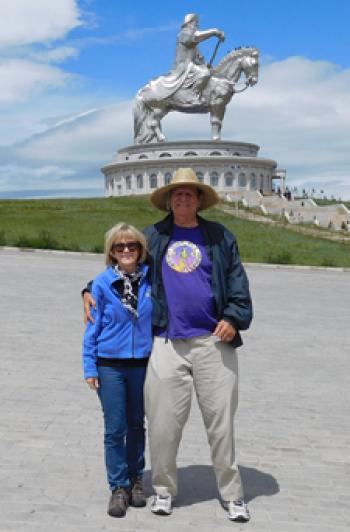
(200, 36)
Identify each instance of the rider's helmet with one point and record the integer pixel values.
(189, 18)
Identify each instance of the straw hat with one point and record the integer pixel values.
(184, 177)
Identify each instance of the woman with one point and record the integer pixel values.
(116, 348)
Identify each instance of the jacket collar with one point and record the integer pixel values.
(165, 226)
(113, 276)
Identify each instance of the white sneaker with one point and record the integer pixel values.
(161, 505)
(237, 511)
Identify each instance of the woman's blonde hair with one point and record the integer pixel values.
(124, 231)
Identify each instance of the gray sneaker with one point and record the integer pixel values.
(119, 502)
(237, 511)
(162, 505)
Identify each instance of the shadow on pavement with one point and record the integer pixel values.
(257, 483)
(197, 483)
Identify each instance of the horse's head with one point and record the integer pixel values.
(250, 65)
(241, 61)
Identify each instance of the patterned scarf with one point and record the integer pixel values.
(131, 282)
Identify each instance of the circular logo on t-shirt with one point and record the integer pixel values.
(183, 256)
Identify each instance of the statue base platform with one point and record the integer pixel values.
(227, 166)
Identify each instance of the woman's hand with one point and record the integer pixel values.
(93, 383)
(88, 302)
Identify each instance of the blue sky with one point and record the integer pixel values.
(70, 70)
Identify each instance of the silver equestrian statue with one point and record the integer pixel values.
(192, 86)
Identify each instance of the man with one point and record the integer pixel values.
(201, 300)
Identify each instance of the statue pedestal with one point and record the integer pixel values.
(227, 166)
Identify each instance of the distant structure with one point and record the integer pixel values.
(193, 86)
(227, 166)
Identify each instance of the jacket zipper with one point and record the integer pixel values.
(133, 338)
(166, 302)
(133, 323)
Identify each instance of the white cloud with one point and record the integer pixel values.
(141, 33)
(33, 177)
(25, 22)
(129, 35)
(20, 79)
(11, 171)
(88, 138)
(28, 29)
(55, 55)
(298, 113)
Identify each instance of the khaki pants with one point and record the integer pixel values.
(175, 367)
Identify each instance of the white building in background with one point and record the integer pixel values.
(229, 167)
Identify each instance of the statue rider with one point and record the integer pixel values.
(181, 88)
(188, 60)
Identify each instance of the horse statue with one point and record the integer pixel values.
(152, 102)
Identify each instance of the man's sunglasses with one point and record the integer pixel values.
(120, 247)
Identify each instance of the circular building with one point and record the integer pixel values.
(226, 166)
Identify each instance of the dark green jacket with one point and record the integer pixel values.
(229, 281)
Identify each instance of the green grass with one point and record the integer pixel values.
(70, 224)
(80, 224)
(330, 202)
(259, 242)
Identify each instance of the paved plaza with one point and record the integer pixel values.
(293, 436)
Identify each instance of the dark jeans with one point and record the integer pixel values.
(121, 396)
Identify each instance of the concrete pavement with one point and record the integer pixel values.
(293, 437)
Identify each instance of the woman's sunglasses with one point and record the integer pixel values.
(131, 246)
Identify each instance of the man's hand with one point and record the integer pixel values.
(88, 303)
(93, 383)
(225, 331)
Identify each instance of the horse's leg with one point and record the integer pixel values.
(158, 114)
(217, 113)
(221, 95)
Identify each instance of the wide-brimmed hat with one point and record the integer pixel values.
(184, 177)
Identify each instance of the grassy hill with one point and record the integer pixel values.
(80, 224)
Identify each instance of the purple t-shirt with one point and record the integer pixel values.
(186, 272)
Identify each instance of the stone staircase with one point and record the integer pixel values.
(334, 217)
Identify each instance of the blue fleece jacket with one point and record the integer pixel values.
(116, 333)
